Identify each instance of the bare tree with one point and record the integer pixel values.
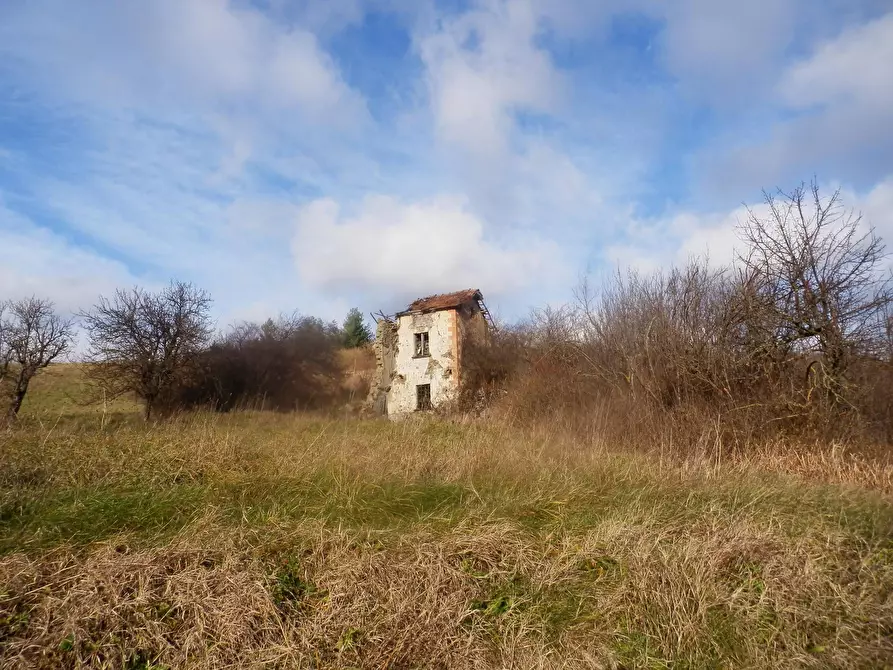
(5, 349)
(31, 337)
(814, 274)
(148, 343)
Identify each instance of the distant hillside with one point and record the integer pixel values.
(64, 388)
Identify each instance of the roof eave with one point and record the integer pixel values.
(429, 310)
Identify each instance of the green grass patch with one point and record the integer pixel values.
(95, 514)
(36, 515)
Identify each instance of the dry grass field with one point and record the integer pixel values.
(293, 541)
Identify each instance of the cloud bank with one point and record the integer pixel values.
(300, 155)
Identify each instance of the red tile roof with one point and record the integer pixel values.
(434, 303)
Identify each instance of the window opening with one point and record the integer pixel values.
(421, 344)
(423, 396)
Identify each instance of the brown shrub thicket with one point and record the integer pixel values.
(287, 364)
(159, 347)
(793, 340)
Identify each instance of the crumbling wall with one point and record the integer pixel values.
(471, 327)
(438, 369)
(385, 348)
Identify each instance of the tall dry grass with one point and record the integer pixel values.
(265, 540)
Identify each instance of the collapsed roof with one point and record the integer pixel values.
(435, 303)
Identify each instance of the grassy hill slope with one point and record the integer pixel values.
(63, 389)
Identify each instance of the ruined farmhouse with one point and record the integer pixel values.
(419, 351)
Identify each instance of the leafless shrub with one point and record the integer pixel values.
(32, 336)
(792, 340)
(663, 336)
(488, 365)
(148, 343)
(287, 364)
(531, 369)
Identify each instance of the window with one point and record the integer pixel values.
(423, 396)
(421, 345)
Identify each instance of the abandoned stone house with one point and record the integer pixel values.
(419, 351)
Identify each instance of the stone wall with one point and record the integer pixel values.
(385, 348)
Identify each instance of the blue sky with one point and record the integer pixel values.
(288, 154)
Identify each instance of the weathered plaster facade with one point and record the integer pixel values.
(437, 369)
(446, 321)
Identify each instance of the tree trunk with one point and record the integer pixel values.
(17, 397)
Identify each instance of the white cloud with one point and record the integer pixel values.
(245, 265)
(389, 246)
(583, 19)
(722, 51)
(837, 105)
(652, 244)
(545, 184)
(677, 237)
(852, 69)
(498, 105)
(876, 208)
(719, 51)
(483, 67)
(327, 16)
(37, 261)
(178, 52)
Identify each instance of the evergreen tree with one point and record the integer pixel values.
(356, 332)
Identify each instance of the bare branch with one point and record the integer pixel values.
(817, 275)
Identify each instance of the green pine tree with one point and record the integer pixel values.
(356, 332)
